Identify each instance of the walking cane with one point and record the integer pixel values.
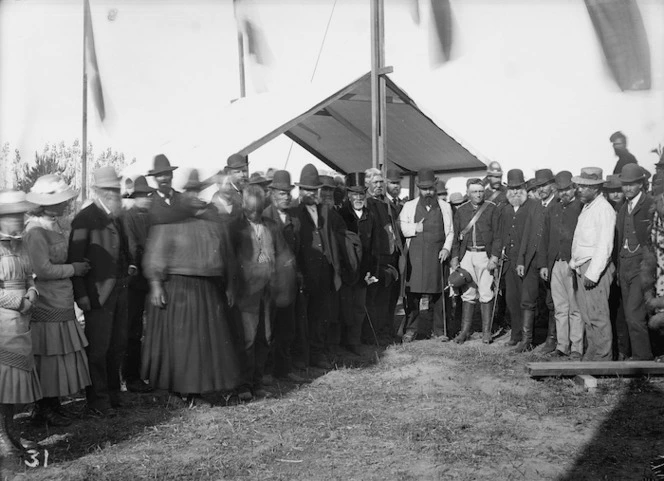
(444, 337)
(497, 293)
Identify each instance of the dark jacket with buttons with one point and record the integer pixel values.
(486, 230)
(558, 233)
(101, 240)
(642, 223)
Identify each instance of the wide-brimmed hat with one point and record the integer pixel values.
(237, 161)
(613, 182)
(141, 188)
(193, 181)
(393, 175)
(106, 178)
(355, 182)
(327, 181)
(441, 188)
(494, 169)
(257, 179)
(426, 178)
(631, 173)
(589, 176)
(281, 181)
(50, 189)
(563, 180)
(456, 198)
(530, 184)
(309, 178)
(459, 278)
(543, 177)
(160, 164)
(515, 178)
(14, 202)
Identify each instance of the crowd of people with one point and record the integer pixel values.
(194, 297)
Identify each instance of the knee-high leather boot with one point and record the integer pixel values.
(467, 311)
(551, 337)
(485, 309)
(526, 343)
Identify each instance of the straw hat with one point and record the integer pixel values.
(50, 189)
(589, 176)
(14, 202)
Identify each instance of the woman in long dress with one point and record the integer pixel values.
(58, 341)
(188, 260)
(19, 383)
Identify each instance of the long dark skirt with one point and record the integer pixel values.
(188, 346)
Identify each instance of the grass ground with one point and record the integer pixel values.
(425, 410)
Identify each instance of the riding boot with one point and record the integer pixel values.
(44, 414)
(551, 337)
(485, 309)
(526, 343)
(467, 311)
(9, 453)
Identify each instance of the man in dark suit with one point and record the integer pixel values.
(319, 261)
(165, 196)
(619, 142)
(136, 222)
(553, 259)
(520, 242)
(632, 230)
(98, 236)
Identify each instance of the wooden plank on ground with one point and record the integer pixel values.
(595, 368)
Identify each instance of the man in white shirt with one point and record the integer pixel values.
(591, 261)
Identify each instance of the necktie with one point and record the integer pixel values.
(630, 206)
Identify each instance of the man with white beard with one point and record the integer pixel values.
(521, 274)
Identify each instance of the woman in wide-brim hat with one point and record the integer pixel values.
(19, 382)
(57, 337)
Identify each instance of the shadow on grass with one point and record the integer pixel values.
(631, 436)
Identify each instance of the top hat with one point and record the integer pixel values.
(141, 188)
(459, 278)
(426, 179)
(543, 177)
(494, 169)
(631, 173)
(14, 202)
(281, 181)
(589, 176)
(457, 198)
(393, 175)
(563, 179)
(106, 178)
(355, 182)
(161, 165)
(50, 189)
(327, 181)
(237, 161)
(515, 178)
(441, 188)
(258, 179)
(309, 178)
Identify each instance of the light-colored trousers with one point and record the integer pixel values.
(569, 325)
(594, 307)
(476, 264)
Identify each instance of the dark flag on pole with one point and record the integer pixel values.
(91, 59)
(620, 30)
(257, 45)
(442, 35)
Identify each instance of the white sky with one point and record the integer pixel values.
(527, 87)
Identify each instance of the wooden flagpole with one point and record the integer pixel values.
(84, 146)
(378, 105)
(240, 51)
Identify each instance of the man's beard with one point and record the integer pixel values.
(308, 200)
(427, 200)
(517, 197)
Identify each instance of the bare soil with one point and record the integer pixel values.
(424, 410)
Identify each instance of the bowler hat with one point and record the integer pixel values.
(14, 202)
(160, 164)
(563, 179)
(141, 188)
(309, 178)
(515, 178)
(393, 175)
(281, 181)
(631, 173)
(494, 169)
(543, 177)
(106, 178)
(613, 182)
(257, 179)
(441, 188)
(327, 181)
(355, 182)
(426, 179)
(237, 161)
(589, 176)
(459, 278)
(50, 189)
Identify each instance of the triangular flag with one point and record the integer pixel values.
(94, 78)
(620, 30)
(442, 31)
